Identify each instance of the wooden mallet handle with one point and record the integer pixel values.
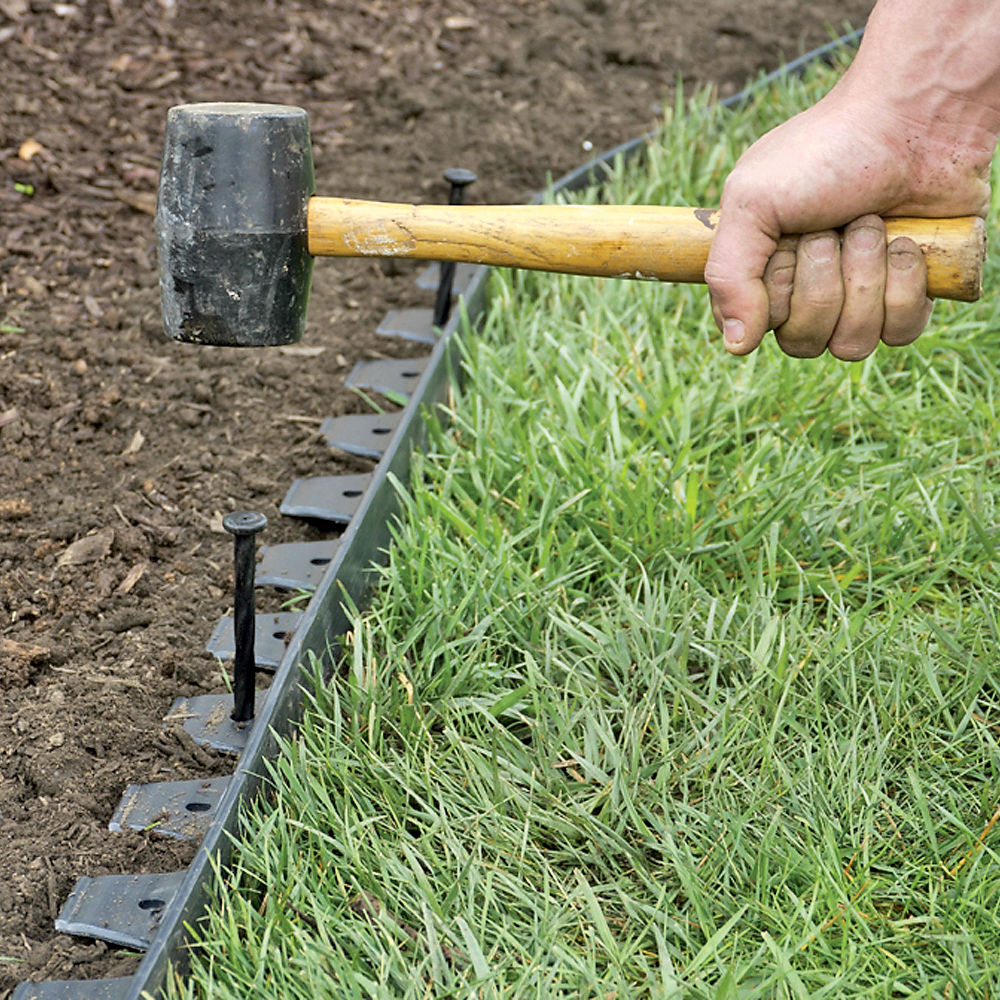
(625, 241)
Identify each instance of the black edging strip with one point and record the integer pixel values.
(363, 545)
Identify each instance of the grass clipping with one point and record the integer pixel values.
(683, 678)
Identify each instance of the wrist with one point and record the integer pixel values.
(934, 68)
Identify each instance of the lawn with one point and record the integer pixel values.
(682, 678)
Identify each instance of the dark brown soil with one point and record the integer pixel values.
(120, 450)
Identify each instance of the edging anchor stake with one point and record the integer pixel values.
(244, 525)
(458, 180)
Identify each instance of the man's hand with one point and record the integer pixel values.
(826, 176)
(909, 130)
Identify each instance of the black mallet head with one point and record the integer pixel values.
(231, 230)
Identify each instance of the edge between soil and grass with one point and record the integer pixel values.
(681, 677)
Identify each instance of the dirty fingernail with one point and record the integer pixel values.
(820, 248)
(865, 238)
(733, 331)
(902, 260)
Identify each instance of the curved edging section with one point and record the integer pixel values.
(364, 544)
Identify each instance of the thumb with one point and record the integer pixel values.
(734, 274)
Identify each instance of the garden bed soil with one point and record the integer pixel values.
(120, 450)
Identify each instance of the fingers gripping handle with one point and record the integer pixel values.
(651, 242)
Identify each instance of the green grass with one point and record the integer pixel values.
(683, 678)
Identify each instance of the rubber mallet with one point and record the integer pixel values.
(237, 228)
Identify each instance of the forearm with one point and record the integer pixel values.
(935, 63)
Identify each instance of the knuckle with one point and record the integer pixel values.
(904, 301)
(802, 351)
(900, 337)
(735, 183)
(799, 345)
(821, 300)
(851, 351)
(717, 276)
(780, 274)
